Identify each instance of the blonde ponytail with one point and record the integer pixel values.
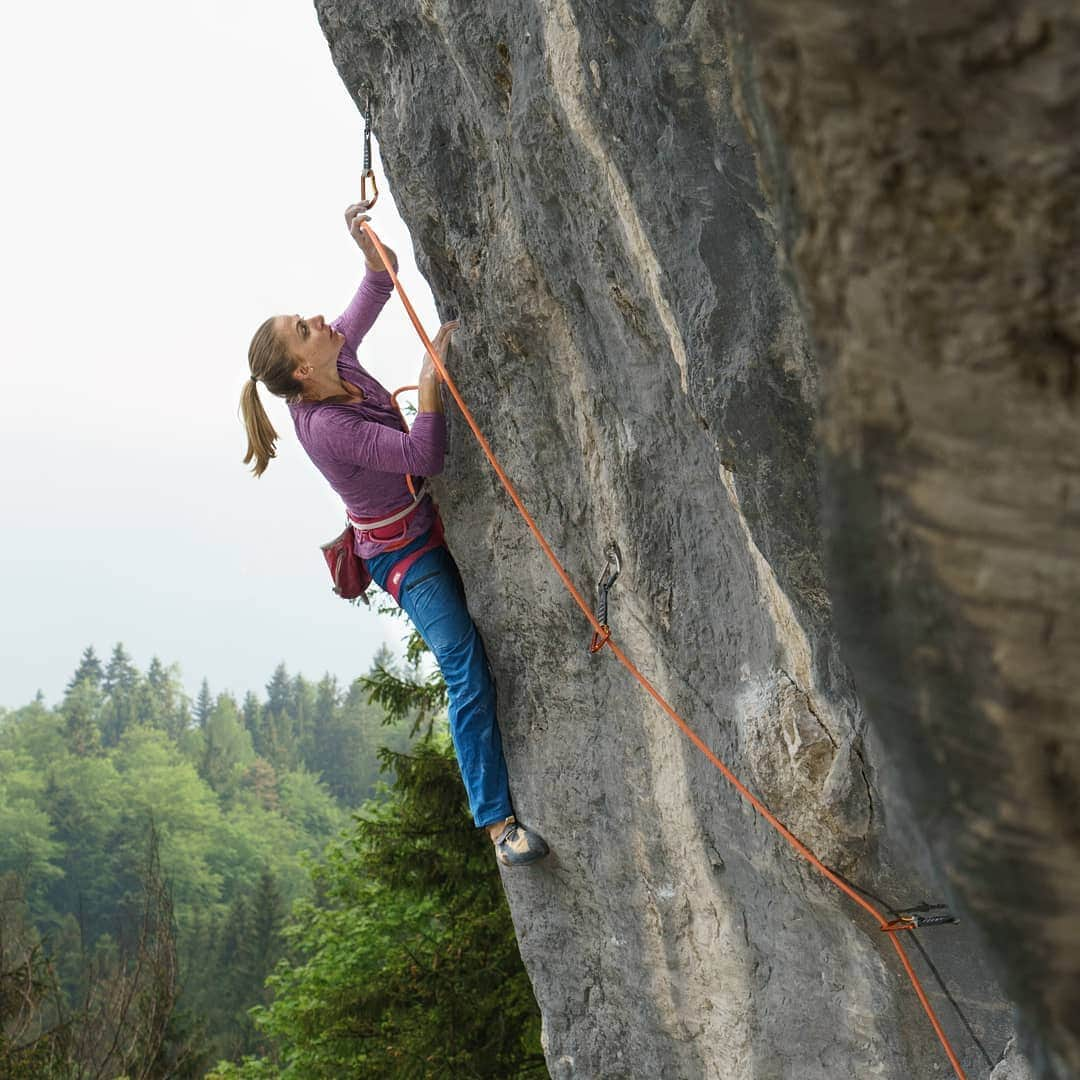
(261, 435)
(271, 364)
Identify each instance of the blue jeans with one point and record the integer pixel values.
(434, 599)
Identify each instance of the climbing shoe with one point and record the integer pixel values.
(518, 846)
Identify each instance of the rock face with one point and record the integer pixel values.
(935, 152)
(713, 279)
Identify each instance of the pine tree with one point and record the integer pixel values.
(275, 737)
(167, 699)
(327, 696)
(406, 694)
(267, 921)
(251, 945)
(89, 670)
(121, 675)
(120, 683)
(251, 711)
(204, 704)
(81, 710)
(227, 747)
(302, 713)
(278, 691)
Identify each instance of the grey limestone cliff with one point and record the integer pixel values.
(724, 275)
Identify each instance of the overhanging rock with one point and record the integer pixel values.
(608, 197)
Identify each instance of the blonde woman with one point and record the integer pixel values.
(354, 434)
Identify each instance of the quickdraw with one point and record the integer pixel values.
(369, 173)
(608, 576)
(917, 917)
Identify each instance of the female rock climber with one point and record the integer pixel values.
(354, 434)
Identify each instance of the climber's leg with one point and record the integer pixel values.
(434, 599)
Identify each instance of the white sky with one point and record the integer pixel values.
(173, 175)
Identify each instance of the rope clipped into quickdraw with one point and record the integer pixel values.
(368, 173)
(793, 841)
(608, 576)
(918, 917)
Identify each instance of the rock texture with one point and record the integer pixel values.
(935, 231)
(631, 207)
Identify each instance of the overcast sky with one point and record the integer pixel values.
(174, 174)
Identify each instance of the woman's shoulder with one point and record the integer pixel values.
(329, 431)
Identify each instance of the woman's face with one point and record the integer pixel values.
(311, 343)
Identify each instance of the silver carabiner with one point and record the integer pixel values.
(608, 578)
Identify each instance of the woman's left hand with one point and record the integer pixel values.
(355, 216)
(439, 343)
(442, 338)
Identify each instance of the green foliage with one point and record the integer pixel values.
(119, 1022)
(227, 746)
(27, 846)
(402, 958)
(409, 964)
(123, 752)
(409, 694)
(29, 1050)
(204, 704)
(89, 669)
(81, 709)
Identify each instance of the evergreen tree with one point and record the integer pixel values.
(251, 711)
(302, 712)
(89, 670)
(236, 965)
(81, 710)
(227, 749)
(121, 675)
(274, 733)
(204, 704)
(327, 697)
(251, 944)
(333, 756)
(409, 964)
(120, 684)
(406, 694)
(267, 922)
(166, 704)
(159, 677)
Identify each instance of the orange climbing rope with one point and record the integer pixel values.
(603, 635)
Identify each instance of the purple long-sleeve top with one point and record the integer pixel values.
(362, 447)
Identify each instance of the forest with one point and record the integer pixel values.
(288, 886)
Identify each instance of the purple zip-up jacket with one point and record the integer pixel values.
(360, 446)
